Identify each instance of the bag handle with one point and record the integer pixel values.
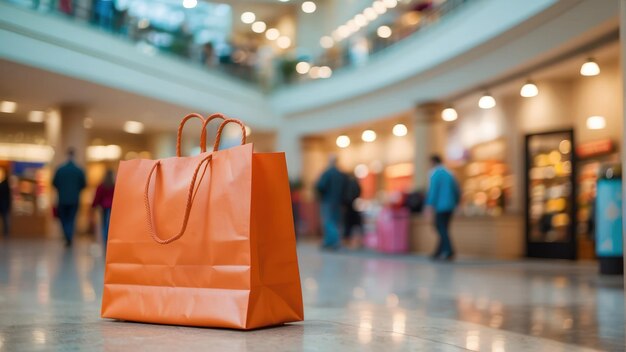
(190, 197)
(181, 126)
(219, 132)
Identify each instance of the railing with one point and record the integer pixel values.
(235, 61)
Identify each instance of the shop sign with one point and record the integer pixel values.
(595, 148)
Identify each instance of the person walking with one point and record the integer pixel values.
(331, 187)
(5, 202)
(69, 181)
(104, 200)
(443, 197)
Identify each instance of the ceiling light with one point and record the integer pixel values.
(400, 130)
(596, 122)
(590, 68)
(314, 72)
(449, 114)
(303, 67)
(390, 4)
(190, 4)
(529, 90)
(8, 107)
(361, 20)
(283, 42)
(379, 7)
(325, 72)
(259, 27)
(248, 17)
(134, 127)
(384, 31)
(309, 7)
(352, 26)
(272, 34)
(327, 42)
(343, 141)
(343, 31)
(36, 116)
(370, 14)
(368, 136)
(486, 101)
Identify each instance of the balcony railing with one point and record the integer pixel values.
(239, 62)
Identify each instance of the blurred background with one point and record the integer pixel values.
(523, 100)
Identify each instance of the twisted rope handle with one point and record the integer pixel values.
(219, 132)
(190, 197)
(179, 135)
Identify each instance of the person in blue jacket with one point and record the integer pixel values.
(443, 197)
(331, 187)
(69, 181)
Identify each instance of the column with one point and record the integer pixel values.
(65, 129)
(426, 135)
(288, 141)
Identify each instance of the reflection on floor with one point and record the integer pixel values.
(50, 297)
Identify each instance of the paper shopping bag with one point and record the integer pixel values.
(206, 240)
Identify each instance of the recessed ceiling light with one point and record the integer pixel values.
(134, 127)
(36, 116)
(384, 32)
(272, 34)
(8, 107)
(283, 42)
(259, 27)
(309, 7)
(190, 4)
(303, 67)
(248, 17)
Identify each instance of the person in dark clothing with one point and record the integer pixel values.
(5, 202)
(69, 181)
(331, 187)
(352, 217)
(443, 197)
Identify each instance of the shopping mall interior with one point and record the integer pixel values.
(522, 101)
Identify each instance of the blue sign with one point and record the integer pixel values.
(609, 240)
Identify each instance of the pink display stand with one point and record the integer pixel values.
(392, 230)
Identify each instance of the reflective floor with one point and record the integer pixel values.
(49, 300)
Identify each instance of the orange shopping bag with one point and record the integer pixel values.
(206, 240)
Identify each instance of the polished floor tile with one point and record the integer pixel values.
(354, 301)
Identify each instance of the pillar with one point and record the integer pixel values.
(65, 129)
(289, 141)
(425, 125)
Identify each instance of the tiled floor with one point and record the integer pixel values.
(49, 300)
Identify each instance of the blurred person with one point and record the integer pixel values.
(331, 187)
(352, 217)
(443, 197)
(69, 181)
(104, 200)
(5, 202)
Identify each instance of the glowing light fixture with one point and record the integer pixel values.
(486, 101)
(370, 14)
(361, 171)
(309, 7)
(368, 136)
(327, 42)
(353, 26)
(259, 27)
(596, 122)
(379, 7)
(343, 31)
(400, 130)
(343, 141)
(529, 90)
(272, 34)
(36, 116)
(190, 4)
(303, 67)
(283, 42)
(314, 72)
(449, 114)
(248, 17)
(8, 107)
(384, 31)
(361, 20)
(134, 127)
(590, 68)
(390, 4)
(325, 72)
